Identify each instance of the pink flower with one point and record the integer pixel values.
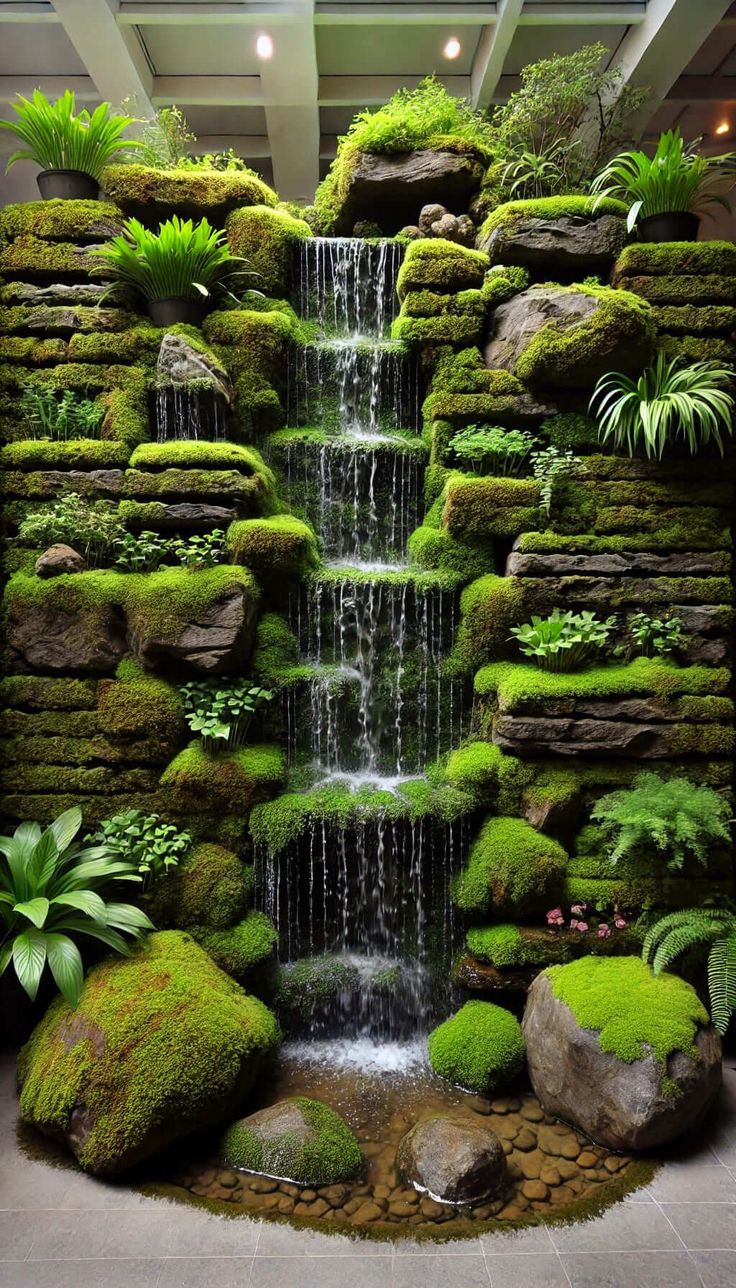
(577, 908)
(603, 931)
(555, 917)
(581, 926)
(619, 922)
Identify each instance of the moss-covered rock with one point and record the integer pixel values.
(434, 548)
(267, 240)
(663, 259)
(240, 948)
(489, 607)
(58, 220)
(73, 454)
(161, 1043)
(480, 1048)
(490, 507)
(231, 780)
(517, 685)
(280, 546)
(440, 265)
(511, 868)
(208, 888)
(138, 705)
(299, 1140)
(158, 194)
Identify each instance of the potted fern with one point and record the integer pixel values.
(667, 193)
(175, 271)
(71, 148)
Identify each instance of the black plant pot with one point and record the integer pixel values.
(67, 185)
(177, 308)
(675, 226)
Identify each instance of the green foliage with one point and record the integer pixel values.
(492, 449)
(238, 949)
(424, 117)
(480, 1048)
(50, 894)
(141, 552)
(654, 636)
(635, 1011)
(571, 431)
(67, 416)
(511, 868)
(222, 712)
(267, 239)
(208, 888)
(516, 683)
(674, 818)
(57, 138)
(75, 454)
(563, 641)
(676, 178)
(329, 1155)
(152, 846)
(199, 550)
(667, 402)
(90, 527)
(489, 607)
(683, 932)
(182, 260)
(280, 544)
(549, 466)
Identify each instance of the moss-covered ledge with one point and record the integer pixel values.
(157, 194)
(516, 684)
(232, 781)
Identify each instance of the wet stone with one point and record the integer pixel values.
(525, 1139)
(587, 1159)
(366, 1213)
(228, 1179)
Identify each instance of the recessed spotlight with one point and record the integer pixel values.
(264, 47)
(452, 48)
(723, 128)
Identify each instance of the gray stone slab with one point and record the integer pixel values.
(435, 1271)
(206, 1272)
(631, 1270)
(704, 1225)
(716, 1269)
(329, 1272)
(694, 1183)
(626, 1227)
(134, 1272)
(535, 1270)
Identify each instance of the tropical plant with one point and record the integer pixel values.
(90, 527)
(145, 841)
(562, 641)
(667, 402)
(144, 552)
(692, 928)
(203, 550)
(654, 636)
(548, 466)
(167, 143)
(672, 818)
(676, 178)
(50, 893)
(61, 418)
(493, 450)
(536, 173)
(220, 712)
(182, 260)
(58, 139)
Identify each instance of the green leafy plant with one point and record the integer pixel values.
(686, 931)
(57, 138)
(563, 641)
(167, 143)
(536, 173)
(182, 260)
(493, 450)
(221, 712)
(672, 818)
(50, 893)
(144, 552)
(90, 527)
(145, 841)
(417, 118)
(548, 466)
(676, 178)
(203, 550)
(48, 416)
(654, 636)
(667, 402)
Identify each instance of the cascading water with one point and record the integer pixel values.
(184, 412)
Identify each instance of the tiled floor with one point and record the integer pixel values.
(60, 1229)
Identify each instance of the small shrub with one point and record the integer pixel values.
(493, 450)
(183, 260)
(654, 636)
(60, 418)
(57, 138)
(203, 550)
(549, 465)
(220, 712)
(142, 553)
(90, 527)
(676, 178)
(481, 1048)
(563, 641)
(673, 818)
(143, 840)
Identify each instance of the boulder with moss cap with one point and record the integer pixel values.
(299, 1140)
(628, 1056)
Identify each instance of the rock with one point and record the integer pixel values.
(219, 639)
(525, 735)
(429, 215)
(568, 245)
(73, 293)
(303, 1140)
(454, 1161)
(48, 638)
(193, 516)
(161, 1044)
(615, 565)
(535, 1190)
(366, 1213)
(179, 363)
(472, 973)
(621, 1105)
(59, 559)
(389, 189)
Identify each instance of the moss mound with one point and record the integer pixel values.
(266, 239)
(161, 1043)
(138, 189)
(231, 780)
(300, 1140)
(511, 868)
(208, 889)
(240, 948)
(281, 544)
(480, 1048)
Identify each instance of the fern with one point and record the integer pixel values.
(722, 980)
(680, 932)
(670, 817)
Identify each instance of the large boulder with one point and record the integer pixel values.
(455, 1161)
(180, 363)
(46, 637)
(161, 1043)
(561, 336)
(572, 245)
(218, 637)
(627, 1056)
(298, 1140)
(391, 189)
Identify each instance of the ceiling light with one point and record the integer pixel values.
(452, 48)
(264, 47)
(723, 128)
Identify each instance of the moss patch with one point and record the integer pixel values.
(233, 781)
(515, 683)
(511, 868)
(280, 545)
(267, 240)
(440, 265)
(136, 189)
(481, 1048)
(240, 948)
(329, 1154)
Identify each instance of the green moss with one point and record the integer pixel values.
(276, 649)
(329, 1154)
(267, 240)
(85, 377)
(160, 193)
(239, 949)
(489, 607)
(207, 888)
(458, 331)
(511, 212)
(509, 947)
(60, 220)
(578, 355)
(698, 348)
(256, 345)
(710, 288)
(60, 319)
(312, 982)
(232, 780)
(440, 265)
(39, 693)
(280, 546)
(667, 258)
(73, 454)
(30, 255)
(689, 319)
(126, 415)
(502, 946)
(488, 776)
(490, 507)
(571, 430)
(195, 454)
(28, 351)
(139, 705)
(517, 683)
(635, 1011)
(433, 548)
(480, 1048)
(511, 868)
(176, 1032)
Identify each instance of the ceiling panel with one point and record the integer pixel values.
(335, 120)
(225, 120)
(45, 49)
(532, 43)
(392, 50)
(712, 52)
(212, 50)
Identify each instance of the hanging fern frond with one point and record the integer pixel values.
(680, 932)
(722, 980)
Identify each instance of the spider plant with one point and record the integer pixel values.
(58, 139)
(676, 179)
(667, 402)
(182, 261)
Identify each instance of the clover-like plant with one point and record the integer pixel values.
(655, 636)
(221, 713)
(90, 527)
(144, 552)
(563, 641)
(202, 550)
(149, 844)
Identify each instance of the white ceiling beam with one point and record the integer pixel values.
(27, 13)
(207, 91)
(133, 14)
(52, 86)
(290, 83)
(113, 58)
(372, 91)
(381, 15)
(490, 56)
(577, 15)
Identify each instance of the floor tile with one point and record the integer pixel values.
(207, 1272)
(451, 1248)
(64, 1235)
(626, 1226)
(432, 1271)
(17, 1230)
(694, 1184)
(325, 1272)
(277, 1239)
(534, 1270)
(193, 1233)
(131, 1273)
(630, 1270)
(519, 1242)
(704, 1225)
(716, 1269)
